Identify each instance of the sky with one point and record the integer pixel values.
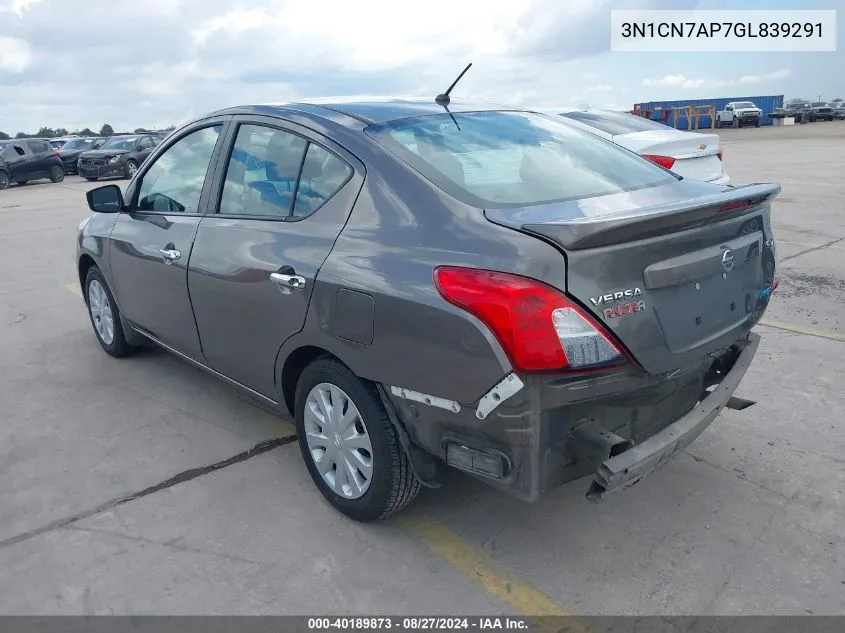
(154, 63)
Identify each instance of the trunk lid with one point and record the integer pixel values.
(676, 272)
(696, 155)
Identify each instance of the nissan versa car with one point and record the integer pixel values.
(483, 288)
(118, 157)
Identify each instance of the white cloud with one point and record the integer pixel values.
(680, 81)
(15, 56)
(599, 88)
(19, 6)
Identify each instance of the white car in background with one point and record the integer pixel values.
(693, 155)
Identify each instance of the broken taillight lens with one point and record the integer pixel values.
(664, 161)
(539, 327)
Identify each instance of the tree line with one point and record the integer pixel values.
(49, 132)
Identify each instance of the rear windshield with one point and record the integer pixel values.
(512, 159)
(614, 123)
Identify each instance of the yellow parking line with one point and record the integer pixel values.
(74, 288)
(475, 564)
(800, 329)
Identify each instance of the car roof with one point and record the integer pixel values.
(354, 111)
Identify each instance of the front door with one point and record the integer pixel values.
(285, 198)
(151, 243)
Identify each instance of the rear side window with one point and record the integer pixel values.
(615, 123)
(323, 174)
(513, 159)
(39, 147)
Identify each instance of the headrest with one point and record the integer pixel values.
(282, 158)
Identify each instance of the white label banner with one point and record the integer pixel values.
(723, 31)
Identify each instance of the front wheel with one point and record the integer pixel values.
(105, 316)
(131, 168)
(736, 122)
(757, 123)
(4, 179)
(349, 444)
(57, 173)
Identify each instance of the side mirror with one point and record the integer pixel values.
(106, 199)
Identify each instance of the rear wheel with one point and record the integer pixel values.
(349, 444)
(57, 173)
(4, 179)
(105, 316)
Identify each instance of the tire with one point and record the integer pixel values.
(57, 173)
(736, 122)
(131, 168)
(757, 123)
(4, 179)
(116, 345)
(392, 484)
(89, 179)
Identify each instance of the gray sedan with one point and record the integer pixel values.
(481, 288)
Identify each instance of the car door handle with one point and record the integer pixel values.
(289, 281)
(170, 254)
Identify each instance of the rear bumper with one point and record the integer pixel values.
(623, 471)
(616, 427)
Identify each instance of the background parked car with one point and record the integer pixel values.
(73, 148)
(29, 159)
(821, 111)
(739, 114)
(693, 155)
(839, 111)
(119, 156)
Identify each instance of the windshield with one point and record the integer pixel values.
(819, 104)
(744, 104)
(79, 143)
(124, 142)
(57, 144)
(509, 159)
(615, 123)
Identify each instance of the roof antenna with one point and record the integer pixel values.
(444, 99)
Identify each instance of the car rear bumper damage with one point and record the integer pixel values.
(638, 461)
(531, 434)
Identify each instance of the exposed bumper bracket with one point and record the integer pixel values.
(497, 395)
(640, 460)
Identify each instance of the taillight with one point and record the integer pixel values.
(57, 153)
(539, 327)
(664, 161)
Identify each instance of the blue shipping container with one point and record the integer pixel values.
(767, 104)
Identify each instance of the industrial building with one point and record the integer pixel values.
(681, 115)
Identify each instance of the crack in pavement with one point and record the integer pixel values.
(810, 250)
(184, 476)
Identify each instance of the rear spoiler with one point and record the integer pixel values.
(581, 233)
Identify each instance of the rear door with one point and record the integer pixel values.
(282, 196)
(42, 158)
(150, 244)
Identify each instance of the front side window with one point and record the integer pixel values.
(38, 147)
(503, 159)
(173, 183)
(146, 143)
